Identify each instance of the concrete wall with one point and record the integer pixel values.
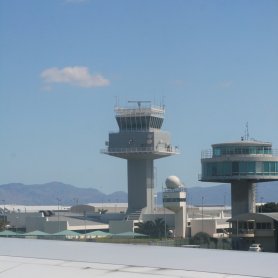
(18, 219)
(243, 195)
(206, 225)
(55, 226)
(116, 227)
(40, 223)
(129, 139)
(180, 223)
(35, 223)
(133, 139)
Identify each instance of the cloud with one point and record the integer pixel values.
(78, 76)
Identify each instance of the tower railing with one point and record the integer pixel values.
(238, 175)
(178, 189)
(160, 149)
(141, 130)
(206, 154)
(209, 153)
(142, 111)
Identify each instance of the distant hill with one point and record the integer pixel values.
(220, 194)
(48, 193)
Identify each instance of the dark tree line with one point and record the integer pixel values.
(2, 225)
(269, 207)
(154, 229)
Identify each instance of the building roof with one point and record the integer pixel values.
(273, 215)
(243, 143)
(77, 221)
(253, 216)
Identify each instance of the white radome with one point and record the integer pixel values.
(173, 182)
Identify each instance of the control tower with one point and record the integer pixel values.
(140, 140)
(174, 199)
(243, 164)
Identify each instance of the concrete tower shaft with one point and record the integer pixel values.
(243, 197)
(140, 141)
(243, 164)
(175, 200)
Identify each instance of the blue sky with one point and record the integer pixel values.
(63, 63)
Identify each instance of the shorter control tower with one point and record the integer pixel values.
(140, 141)
(174, 198)
(243, 164)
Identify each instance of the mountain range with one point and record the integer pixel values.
(50, 193)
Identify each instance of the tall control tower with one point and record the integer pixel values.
(140, 140)
(243, 164)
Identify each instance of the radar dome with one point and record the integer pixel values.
(173, 182)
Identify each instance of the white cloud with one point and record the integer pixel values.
(78, 76)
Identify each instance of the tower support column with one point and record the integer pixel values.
(243, 195)
(140, 184)
(180, 223)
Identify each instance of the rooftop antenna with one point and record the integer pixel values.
(246, 133)
(163, 105)
(116, 101)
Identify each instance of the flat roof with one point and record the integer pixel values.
(249, 216)
(47, 258)
(243, 143)
(77, 221)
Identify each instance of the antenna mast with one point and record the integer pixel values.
(246, 134)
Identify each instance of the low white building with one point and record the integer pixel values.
(216, 228)
(51, 221)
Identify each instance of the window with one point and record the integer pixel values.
(216, 152)
(263, 225)
(173, 200)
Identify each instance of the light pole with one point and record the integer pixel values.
(75, 201)
(202, 214)
(16, 223)
(85, 214)
(116, 205)
(4, 211)
(262, 198)
(165, 224)
(58, 200)
(154, 193)
(164, 215)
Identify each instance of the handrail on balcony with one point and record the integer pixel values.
(168, 149)
(142, 111)
(209, 153)
(238, 174)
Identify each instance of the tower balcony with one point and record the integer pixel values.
(251, 176)
(253, 161)
(141, 152)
